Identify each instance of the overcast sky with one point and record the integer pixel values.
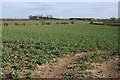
(60, 9)
(60, 0)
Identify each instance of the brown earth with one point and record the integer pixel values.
(58, 67)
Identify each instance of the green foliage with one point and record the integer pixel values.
(71, 74)
(4, 64)
(38, 44)
(94, 57)
(1, 75)
(14, 74)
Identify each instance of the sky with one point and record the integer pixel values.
(119, 9)
(60, 0)
(59, 9)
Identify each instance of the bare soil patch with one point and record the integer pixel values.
(59, 67)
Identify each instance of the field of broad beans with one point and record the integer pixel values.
(24, 47)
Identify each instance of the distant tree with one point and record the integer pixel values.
(40, 16)
(71, 19)
(113, 18)
(30, 17)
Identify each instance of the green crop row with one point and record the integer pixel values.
(26, 46)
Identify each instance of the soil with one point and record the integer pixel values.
(58, 67)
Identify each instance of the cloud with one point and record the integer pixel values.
(61, 9)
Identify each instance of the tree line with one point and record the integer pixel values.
(39, 17)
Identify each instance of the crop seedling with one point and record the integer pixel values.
(71, 74)
(32, 45)
(14, 74)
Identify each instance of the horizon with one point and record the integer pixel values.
(64, 10)
(62, 18)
